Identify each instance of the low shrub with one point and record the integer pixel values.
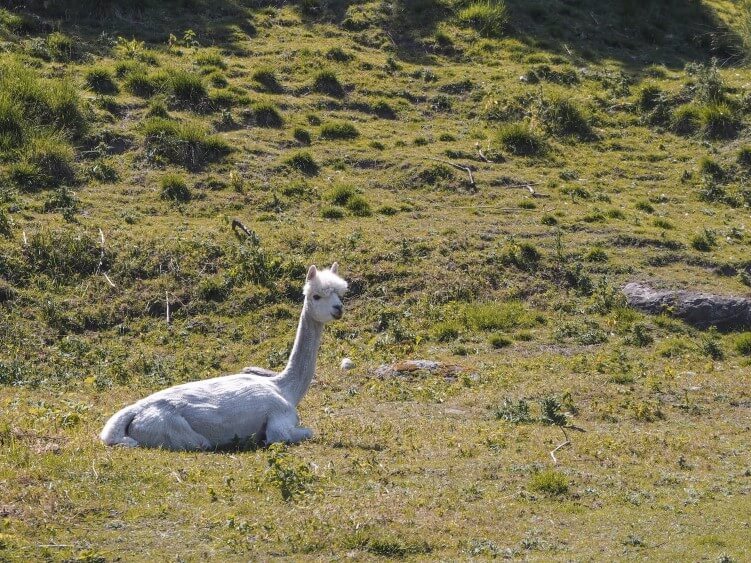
(743, 344)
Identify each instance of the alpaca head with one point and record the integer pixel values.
(324, 291)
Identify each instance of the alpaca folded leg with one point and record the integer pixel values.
(284, 429)
(162, 426)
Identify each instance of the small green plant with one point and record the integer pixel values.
(514, 412)
(521, 255)
(487, 17)
(266, 78)
(304, 162)
(550, 482)
(709, 167)
(339, 130)
(5, 226)
(562, 117)
(643, 205)
(718, 121)
(326, 82)
(174, 188)
(742, 344)
(639, 336)
(661, 223)
(520, 140)
(51, 159)
(101, 80)
(596, 254)
(498, 316)
(186, 88)
(383, 109)
(686, 119)
(339, 55)
(551, 412)
(61, 47)
(210, 58)
(293, 478)
(549, 220)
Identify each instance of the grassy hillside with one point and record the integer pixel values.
(608, 142)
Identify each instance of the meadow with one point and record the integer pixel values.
(488, 175)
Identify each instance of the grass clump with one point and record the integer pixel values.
(686, 119)
(709, 167)
(718, 121)
(497, 316)
(101, 80)
(359, 206)
(744, 157)
(304, 162)
(12, 123)
(499, 341)
(174, 188)
(704, 241)
(326, 82)
(487, 17)
(331, 212)
(743, 344)
(563, 118)
(186, 88)
(266, 78)
(61, 47)
(341, 194)
(184, 143)
(343, 130)
(302, 136)
(47, 162)
(520, 140)
(266, 114)
(550, 482)
(446, 331)
(210, 58)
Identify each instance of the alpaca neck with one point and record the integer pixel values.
(295, 380)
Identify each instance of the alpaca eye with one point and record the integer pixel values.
(316, 297)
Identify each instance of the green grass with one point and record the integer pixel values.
(339, 130)
(184, 143)
(603, 144)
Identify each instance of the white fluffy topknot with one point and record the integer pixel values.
(324, 281)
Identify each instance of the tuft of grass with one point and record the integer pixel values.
(383, 109)
(101, 80)
(744, 157)
(266, 114)
(331, 212)
(185, 143)
(359, 206)
(51, 159)
(304, 162)
(550, 482)
(562, 117)
(718, 121)
(446, 331)
(326, 82)
(497, 316)
(341, 194)
(174, 188)
(709, 167)
(210, 58)
(61, 47)
(13, 128)
(499, 341)
(302, 136)
(520, 140)
(266, 78)
(487, 17)
(742, 344)
(704, 241)
(339, 130)
(686, 119)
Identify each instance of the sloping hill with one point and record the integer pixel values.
(607, 143)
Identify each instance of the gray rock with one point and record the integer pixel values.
(702, 310)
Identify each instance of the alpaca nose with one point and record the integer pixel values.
(338, 311)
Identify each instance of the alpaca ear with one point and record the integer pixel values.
(335, 267)
(312, 271)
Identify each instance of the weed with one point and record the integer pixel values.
(523, 256)
(174, 188)
(292, 478)
(487, 17)
(639, 336)
(339, 55)
(304, 162)
(549, 220)
(12, 124)
(596, 254)
(520, 140)
(551, 413)
(643, 205)
(550, 482)
(498, 316)
(326, 82)
(339, 130)
(157, 108)
(383, 109)
(708, 167)
(514, 412)
(61, 47)
(184, 143)
(446, 331)
(5, 225)
(64, 255)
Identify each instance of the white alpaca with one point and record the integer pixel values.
(257, 405)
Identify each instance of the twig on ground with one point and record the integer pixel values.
(101, 259)
(166, 295)
(466, 169)
(562, 445)
(251, 234)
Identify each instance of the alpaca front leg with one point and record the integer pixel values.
(285, 429)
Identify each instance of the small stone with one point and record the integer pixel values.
(347, 364)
